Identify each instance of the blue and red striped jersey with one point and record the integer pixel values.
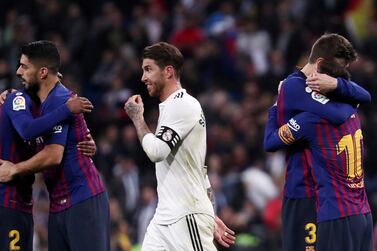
(77, 178)
(337, 160)
(16, 194)
(17, 129)
(296, 97)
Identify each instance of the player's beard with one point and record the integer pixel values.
(32, 90)
(32, 87)
(157, 89)
(334, 69)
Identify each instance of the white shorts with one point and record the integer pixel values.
(193, 232)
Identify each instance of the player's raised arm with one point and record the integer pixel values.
(134, 107)
(338, 88)
(155, 149)
(297, 128)
(18, 107)
(297, 97)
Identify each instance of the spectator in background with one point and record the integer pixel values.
(126, 175)
(145, 212)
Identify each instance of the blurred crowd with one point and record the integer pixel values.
(236, 52)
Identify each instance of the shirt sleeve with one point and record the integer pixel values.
(298, 128)
(59, 133)
(350, 92)
(177, 122)
(301, 99)
(18, 108)
(155, 148)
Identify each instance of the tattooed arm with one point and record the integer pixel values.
(134, 107)
(156, 149)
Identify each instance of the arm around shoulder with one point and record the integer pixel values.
(50, 156)
(352, 92)
(18, 108)
(271, 142)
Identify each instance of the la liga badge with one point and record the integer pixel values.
(19, 103)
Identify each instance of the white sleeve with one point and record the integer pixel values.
(180, 118)
(156, 149)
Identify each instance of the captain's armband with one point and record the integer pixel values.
(169, 136)
(286, 135)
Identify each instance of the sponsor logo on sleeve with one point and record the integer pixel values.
(292, 123)
(39, 141)
(19, 103)
(286, 135)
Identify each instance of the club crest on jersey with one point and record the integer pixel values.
(19, 103)
(320, 97)
(293, 125)
(167, 135)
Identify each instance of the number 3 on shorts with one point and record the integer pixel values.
(312, 236)
(14, 235)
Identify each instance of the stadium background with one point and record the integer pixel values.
(235, 54)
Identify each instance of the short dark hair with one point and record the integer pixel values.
(42, 53)
(165, 54)
(331, 46)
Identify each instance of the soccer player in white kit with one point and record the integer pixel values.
(184, 219)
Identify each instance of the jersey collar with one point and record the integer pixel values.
(171, 96)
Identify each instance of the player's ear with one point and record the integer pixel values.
(43, 72)
(169, 71)
(318, 63)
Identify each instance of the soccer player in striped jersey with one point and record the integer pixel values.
(184, 219)
(337, 158)
(331, 55)
(79, 213)
(17, 129)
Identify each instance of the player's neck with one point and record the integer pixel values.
(309, 69)
(46, 86)
(169, 89)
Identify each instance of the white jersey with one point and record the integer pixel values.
(182, 176)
